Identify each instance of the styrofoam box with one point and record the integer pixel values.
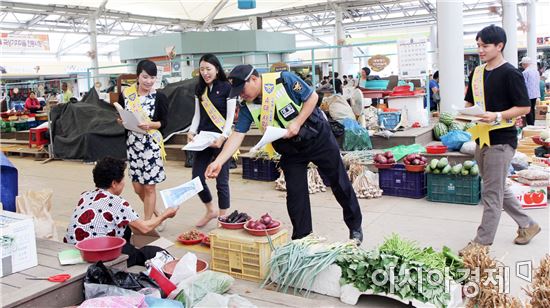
(18, 251)
(411, 106)
(530, 197)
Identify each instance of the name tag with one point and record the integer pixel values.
(288, 112)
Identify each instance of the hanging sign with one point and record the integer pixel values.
(279, 67)
(24, 42)
(412, 56)
(378, 63)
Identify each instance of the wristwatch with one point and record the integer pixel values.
(499, 117)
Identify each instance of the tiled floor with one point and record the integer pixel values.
(431, 224)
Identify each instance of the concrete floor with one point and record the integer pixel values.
(431, 224)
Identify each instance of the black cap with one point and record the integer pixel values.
(238, 76)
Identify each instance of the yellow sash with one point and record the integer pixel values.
(131, 94)
(212, 112)
(481, 130)
(267, 113)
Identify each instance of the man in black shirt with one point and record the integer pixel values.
(337, 83)
(504, 96)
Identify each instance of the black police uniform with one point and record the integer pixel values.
(314, 143)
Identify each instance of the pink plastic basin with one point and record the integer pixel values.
(104, 248)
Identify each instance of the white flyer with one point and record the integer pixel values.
(130, 120)
(174, 197)
(271, 134)
(472, 111)
(201, 141)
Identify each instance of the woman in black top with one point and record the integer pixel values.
(214, 112)
(146, 150)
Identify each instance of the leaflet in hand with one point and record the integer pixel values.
(271, 134)
(473, 113)
(201, 141)
(174, 197)
(130, 119)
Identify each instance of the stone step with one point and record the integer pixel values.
(422, 136)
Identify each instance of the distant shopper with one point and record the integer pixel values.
(365, 72)
(67, 92)
(499, 88)
(532, 81)
(352, 82)
(214, 112)
(32, 104)
(542, 88)
(103, 212)
(146, 153)
(337, 83)
(434, 91)
(308, 80)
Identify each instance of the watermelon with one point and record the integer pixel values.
(469, 125)
(443, 163)
(468, 164)
(456, 126)
(433, 163)
(446, 118)
(440, 129)
(456, 169)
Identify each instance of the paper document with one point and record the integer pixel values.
(472, 111)
(271, 134)
(174, 197)
(130, 120)
(201, 141)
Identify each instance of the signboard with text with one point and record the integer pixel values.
(24, 42)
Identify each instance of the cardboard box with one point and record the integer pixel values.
(540, 112)
(18, 241)
(530, 197)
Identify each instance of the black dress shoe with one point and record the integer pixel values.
(357, 235)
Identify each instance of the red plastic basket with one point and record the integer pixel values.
(436, 149)
(104, 248)
(266, 231)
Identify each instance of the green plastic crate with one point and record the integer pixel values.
(454, 188)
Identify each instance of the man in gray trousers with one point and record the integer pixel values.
(499, 88)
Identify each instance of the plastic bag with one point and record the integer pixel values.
(455, 139)
(401, 151)
(192, 290)
(520, 161)
(468, 148)
(212, 300)
(185, 268)
(116, 301)
(100, 274)
(339, 109)
(153, 302)
(38, 205)
(356, 138)
(93, 290)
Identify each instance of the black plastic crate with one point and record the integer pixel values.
(399, 182)
(259, 169)
(452, 188)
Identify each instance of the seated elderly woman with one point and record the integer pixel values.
(103, 212)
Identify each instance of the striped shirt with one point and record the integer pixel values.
(532, 81)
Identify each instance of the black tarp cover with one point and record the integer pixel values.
(88, 130)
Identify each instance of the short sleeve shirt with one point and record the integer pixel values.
(297, 89)
(504, 88)
(99, 213)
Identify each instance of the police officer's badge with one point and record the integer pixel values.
(297, 86)
(132, 96)
(268, 87)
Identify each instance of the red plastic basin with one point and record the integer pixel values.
(436, 149)
(104, 248)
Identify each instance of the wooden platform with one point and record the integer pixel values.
(23, 150)
(18, 291)
(422, 136)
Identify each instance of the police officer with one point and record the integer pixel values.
(284, 100)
